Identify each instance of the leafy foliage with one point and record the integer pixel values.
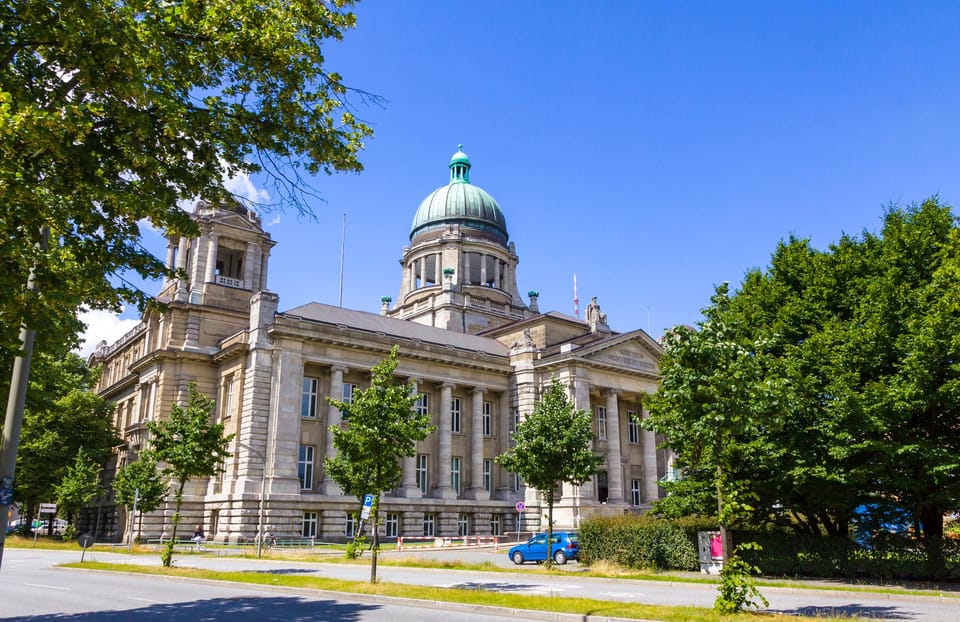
(140, 480)
(640, 542)
(737, 590)
(551, 447)
(854, 395)
(189, 446)
(381, 428)
(79, 486)
(112, 112)
(62, 415)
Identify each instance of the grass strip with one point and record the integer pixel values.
(555, 604)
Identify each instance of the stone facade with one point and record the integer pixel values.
(478, 353)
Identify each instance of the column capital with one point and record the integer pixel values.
(448, 385)
(611, 392)
(479, 390)
(339, 368)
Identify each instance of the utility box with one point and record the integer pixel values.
(710, 548)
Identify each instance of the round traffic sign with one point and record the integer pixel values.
(520, 506)
(86, 540)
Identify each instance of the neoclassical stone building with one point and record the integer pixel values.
(478, 352)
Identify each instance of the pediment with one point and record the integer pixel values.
(239, 222)
(633, 351)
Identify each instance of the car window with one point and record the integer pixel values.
(539, 540)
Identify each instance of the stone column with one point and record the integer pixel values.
(438, 270)
(182, 252)
(171, 257)
(264, 259)
(581, 399)
(408, 484)
(651, 491)
(334, 417)
(444, 489)
(465, 275)
(483, 269)
(496, 273)
(248, 266)
(505, 418)
(476, 447)
(614, 451)
(210, 273)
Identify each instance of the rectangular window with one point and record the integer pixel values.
(422, 472)
(633, 428)
(348, 392)
(487, 412)
(516, 422)
(455, 473)
(463, 524)
(517, 482)
(496, 525)
(391, 525)
(634, 492)
(308, 528)
(308, 399)
(423, 404)
(305, 467)
(228, 396)
(429, 524)
(455, 414)
(601, 423)
(487, 473)
(350, 525)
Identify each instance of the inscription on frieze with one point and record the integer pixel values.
(629, 358)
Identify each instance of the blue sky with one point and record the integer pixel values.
(655, 149)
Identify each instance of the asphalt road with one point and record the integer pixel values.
(31, 589)
(28, 581)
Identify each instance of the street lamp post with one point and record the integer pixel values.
(263, 479)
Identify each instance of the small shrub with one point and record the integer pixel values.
(355, 549)
(737, 589)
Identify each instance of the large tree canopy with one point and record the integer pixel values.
(113, 111)
(860, 344)
(62, 416)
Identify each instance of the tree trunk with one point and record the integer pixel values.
(549, 562)
(931, 520)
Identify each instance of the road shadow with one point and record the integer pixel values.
(494, 586)
(244, 609)
(852, 610)
(284, 571)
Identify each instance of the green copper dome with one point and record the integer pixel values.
(461, 203)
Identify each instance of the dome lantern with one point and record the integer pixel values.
(460, 203)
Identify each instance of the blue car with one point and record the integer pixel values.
(565, 546)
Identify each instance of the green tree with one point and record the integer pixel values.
(713, 403)
(381, 427)
(61, 416)
(189, 446)
(552, 447)
(79, 486)
(112, 112)
(853, 395)
(140, 481)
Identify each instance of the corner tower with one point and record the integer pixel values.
(460, 270)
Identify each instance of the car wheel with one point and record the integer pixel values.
(560, 557)
(518, 558)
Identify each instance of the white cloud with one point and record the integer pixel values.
(242, 185)
(102, 326)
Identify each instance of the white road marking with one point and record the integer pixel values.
(49, 587)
